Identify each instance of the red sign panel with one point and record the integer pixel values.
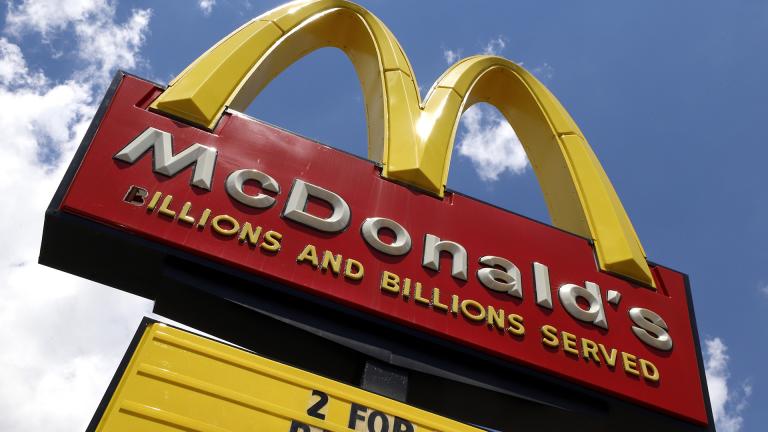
(550, 307)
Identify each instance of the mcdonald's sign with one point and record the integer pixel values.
(178, 174)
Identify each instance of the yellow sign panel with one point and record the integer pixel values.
(180, 381)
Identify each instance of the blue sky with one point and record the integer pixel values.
(670, 96)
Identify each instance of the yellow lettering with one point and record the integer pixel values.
(353, 270)
(589, 349)
(496, 318)
(455, 304)
(204, 218)
(333, 260)
(610, 360)
(515, 324)
(390, 282)
(549, 336)
(309, 254)
(477, 315)
(217, 224)
(271, 241)
(184, 215)
(248, 233)
(406, 288)
(153, 202)
(164, 210)
(630, 365)
(417, 295)
(569, 343)
(650, 372)
(436, 300)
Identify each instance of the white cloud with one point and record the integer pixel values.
(62, 336)
(495, 46)
(206, 6)
(486, 137)
(47, 16)
(451, 55)
(543, 72)
(108, 45)
(13, 67)
(727, 403)
(490, 143)
(764, 289)
(102, 44)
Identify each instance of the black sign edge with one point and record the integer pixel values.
(699, 356)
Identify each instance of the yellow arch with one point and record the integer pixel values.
(414, 139)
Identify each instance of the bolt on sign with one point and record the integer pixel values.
(180, 171)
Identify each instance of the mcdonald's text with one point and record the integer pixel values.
(493, 272)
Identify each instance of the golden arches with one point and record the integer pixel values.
(414, 139)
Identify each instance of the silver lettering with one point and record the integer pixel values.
(543, 288)
(650, 328)
(370, 231)
(237, 179)
(596, 314)
(507, 281)
(168, 164)
(295, 208)
(432, 248)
